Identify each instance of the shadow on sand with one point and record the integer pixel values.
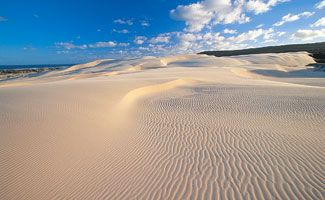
(305, 73)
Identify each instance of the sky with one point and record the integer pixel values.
(76, 31)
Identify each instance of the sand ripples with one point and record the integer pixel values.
(188, 148)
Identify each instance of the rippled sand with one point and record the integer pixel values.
(182, 127)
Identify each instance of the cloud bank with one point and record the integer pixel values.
(207, 13)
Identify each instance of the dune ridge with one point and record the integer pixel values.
(143, 92)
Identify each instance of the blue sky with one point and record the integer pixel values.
(46, 32)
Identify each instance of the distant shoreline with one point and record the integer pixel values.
(9, 72)
(20, 67)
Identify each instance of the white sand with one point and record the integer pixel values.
(186, 127)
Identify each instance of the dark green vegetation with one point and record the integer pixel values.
(21, 71)
(6, 74)
(316, 50)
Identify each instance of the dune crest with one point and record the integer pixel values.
(168, 60)
(86, 65)
(139, 93)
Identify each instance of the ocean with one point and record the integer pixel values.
(11, 67)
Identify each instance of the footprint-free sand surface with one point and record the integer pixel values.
(181, 127)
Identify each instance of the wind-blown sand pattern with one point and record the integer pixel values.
(183, 127)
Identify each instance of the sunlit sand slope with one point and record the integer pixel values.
(182, 127)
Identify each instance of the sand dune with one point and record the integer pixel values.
(141, 93)
(180, 127)
(87, 65)
(285, 59)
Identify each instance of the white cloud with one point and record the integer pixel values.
(140, 39)
(195, 42)
(29, 48)
(124, 31)
(290, 18)
(62, 52)
(260, 26)
(232, 14)
(3, 19)
(123, 44)
(307, 34)
(189, 42)
(252, 35)
(70, 45)
(208, 13)
(320, 5)
(320, 22)
(122, 21)
(160, 39)
(103, 44)
(144, 23)
(261, 6)
(194, 15)
(229, 31)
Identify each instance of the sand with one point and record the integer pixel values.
(179, 127)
